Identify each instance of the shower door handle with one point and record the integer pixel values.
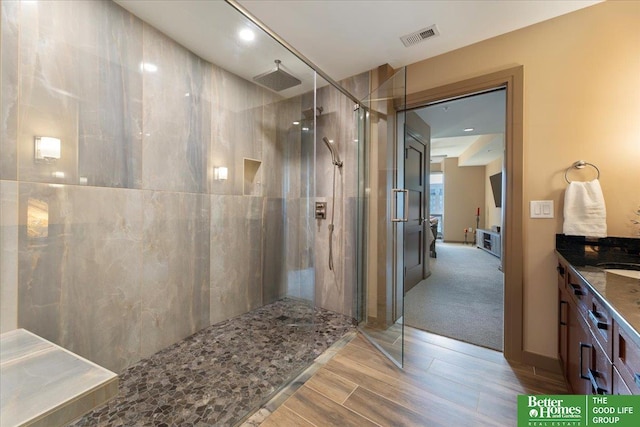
(394, 207)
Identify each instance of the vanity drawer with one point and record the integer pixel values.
(578, 291)
(598, 369)
(619, 386)
(562, 270)
(601, 324)
(626, 357)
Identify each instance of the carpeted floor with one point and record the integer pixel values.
(463, 297)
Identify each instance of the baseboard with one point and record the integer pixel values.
(462, 242)
(542, 362)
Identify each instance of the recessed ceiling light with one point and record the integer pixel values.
(246, 34)
(469, 129)
(296, 123)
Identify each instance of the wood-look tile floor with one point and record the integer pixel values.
(444, 383)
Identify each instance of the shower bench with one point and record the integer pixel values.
(43, 384)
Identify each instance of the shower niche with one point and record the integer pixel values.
(252, 177)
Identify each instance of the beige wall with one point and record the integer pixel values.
(492, 215)
(581, 101)
(463, 194)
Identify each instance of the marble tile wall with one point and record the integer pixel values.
(175, 268)
(236, 255)
(8, 256)
(110, 134)
(132, 245)
(9, 90)
(80, 269)
(298, 196)
(177, 116)
(335, 289)
(236, 129)
(273, 251)
(80, 81)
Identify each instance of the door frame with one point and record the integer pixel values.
(512, 237)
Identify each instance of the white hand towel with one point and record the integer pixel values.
(584, 210)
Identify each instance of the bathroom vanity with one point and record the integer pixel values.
(599, 314)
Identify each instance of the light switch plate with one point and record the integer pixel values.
(541, 208)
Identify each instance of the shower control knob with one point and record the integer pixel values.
(321, 210)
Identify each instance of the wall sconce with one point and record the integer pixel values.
(47, 149)
(220, 173)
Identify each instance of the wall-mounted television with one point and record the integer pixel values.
(496, 187)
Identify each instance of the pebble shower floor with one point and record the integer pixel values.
(221, 374)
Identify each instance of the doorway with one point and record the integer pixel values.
(463, 297)
(512, 233)
(380, 297)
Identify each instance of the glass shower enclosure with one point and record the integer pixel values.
(382, 215)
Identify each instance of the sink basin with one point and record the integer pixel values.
(626, 273)
(620, 266)
(626, 269)
(622, 269)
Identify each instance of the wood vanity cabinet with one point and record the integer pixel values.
(563, 320)
(626, 358)
(596, 355)
(579, 350)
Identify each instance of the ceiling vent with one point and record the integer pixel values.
(420, 35)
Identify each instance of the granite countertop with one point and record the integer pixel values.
(620, 294)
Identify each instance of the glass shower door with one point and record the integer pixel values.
(382, 215)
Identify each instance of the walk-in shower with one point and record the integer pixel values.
(178, 248)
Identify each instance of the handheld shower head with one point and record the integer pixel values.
(335, 158)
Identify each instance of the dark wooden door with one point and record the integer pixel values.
(415, 240)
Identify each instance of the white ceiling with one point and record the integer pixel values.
(209, 28)
(347, 37)
(485, 113)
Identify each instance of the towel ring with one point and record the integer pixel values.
(580, 164)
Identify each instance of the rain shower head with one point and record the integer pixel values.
(277, 80)
(335, 158)
(308, 113)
